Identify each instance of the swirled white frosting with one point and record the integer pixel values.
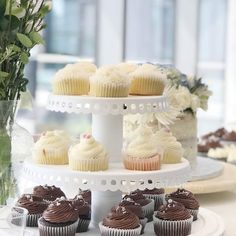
(88, 148)
(56, 139)
(127, 67)
(218, 153)
(110, 75)
(143, 145)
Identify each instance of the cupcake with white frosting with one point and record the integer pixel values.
(173, 151)
(73, 79)
(219, 154)
(52, 148)
(126, 67)
(142, 152)
(147, 80)
(88, 155)
(109, 81)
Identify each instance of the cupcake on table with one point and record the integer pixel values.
(86, 194)
(142, 152)
(88, 155)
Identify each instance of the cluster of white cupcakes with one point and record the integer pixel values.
(84, 78)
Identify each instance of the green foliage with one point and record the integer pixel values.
(20, 25)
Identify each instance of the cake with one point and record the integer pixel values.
(142, 152)
(147, 79)
(35, 206)
(52, 148)
(211, 142)
(59, 219)
(120, 222)
(126, 67)
(48, 193)
(187, 199)
(229, 136)
(88, 155)
(73, 79)
(172, 219)
(109, 81)
(173, 151)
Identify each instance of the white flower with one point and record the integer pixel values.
(195, 102)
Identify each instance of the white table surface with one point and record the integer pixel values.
(224, 204)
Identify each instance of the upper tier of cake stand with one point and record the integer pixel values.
(107, 105)
(115, 178)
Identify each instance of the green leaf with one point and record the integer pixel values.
(14, 48)
(3, 74)
(24, 57)
(15, 22)
(2, 7)
(3, 23)
(19, 12)
(25, 40)
(36, 37)
(2, 93)
(44, 10)
(24, 3)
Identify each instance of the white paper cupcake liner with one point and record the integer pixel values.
(106, 231)
(194, 213)
(158, 199)
(149, 210)
(172, 228)
(68, 230)
(143, 223)
(32, 220)
(83, 225)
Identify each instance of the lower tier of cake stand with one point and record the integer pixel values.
(208, 224)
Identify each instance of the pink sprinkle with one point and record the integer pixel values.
(87, 136)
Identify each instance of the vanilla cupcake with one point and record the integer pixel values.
(88, 155)
(52, 148)
(73, 79)
(142, 153)
(173, 151)
(147, 80)
(127, 68)
(109, 81)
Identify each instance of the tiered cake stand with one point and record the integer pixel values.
(107, 127)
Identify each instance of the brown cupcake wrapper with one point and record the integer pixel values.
(107, 231)
(83, 225)
(158, 199)
(32, 220)
(170, 228)
(149, 210)
(68, 230)
(143, 223)
(194, 213)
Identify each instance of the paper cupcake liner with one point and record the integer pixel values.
(72, 86)
(152, 163)
(106, 231)
(88, 165)
(68, 230)
(149, 210)
(144, 84)
(50, 157)
(108, 90)
(194, 213)
(32, 220)
(83, 225)
(170, 228)
(158, 199)
(143, 223)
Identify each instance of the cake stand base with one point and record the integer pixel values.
(206, 168)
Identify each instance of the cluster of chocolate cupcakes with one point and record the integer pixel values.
(172, 214)
(54, 214)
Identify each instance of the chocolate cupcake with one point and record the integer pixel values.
(229, 136)
(59, 219)
(187, 199)
(35, 206)
(86, 194)
(136, 208)
(156, 194)
(172, 219)
(220, 132)
(84, 213)
(49, 193)
(120, 222)
(147, 204)
(205, 145)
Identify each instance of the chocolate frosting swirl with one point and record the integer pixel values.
(173, 211)
(154, 191)
(34, 204)
(121, 218)
(86, 194)
(185, 197)
(132, 206)
(229, 136)
(138, 197)
(60, 211)
(49, 193)
(82, 207)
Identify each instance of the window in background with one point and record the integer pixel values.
(150, 30)
(211, 59)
